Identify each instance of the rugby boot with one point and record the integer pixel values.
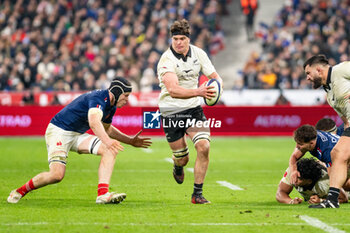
(178, 173)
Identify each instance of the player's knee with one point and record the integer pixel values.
(202, 146)
(201, 142)
(103, 151)
(56, 173)
(56, 176)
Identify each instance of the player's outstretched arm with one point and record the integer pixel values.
(94, 118)
(138, 141)
(135, 141)
(282, 194)
(171, 83)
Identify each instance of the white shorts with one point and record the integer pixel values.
(59, 142)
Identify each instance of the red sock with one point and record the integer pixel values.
(29, 186)
(102, 189)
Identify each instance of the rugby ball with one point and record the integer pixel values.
(217, 87)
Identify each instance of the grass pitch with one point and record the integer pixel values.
(155, 202)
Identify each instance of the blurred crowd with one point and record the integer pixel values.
(78, 45)
(302, 28)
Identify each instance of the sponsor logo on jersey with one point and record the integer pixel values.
(186, 71)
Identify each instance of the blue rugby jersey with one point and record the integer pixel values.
(324, 145)
(340, 129)
(74, 117)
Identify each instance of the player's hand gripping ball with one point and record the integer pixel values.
(218, 91)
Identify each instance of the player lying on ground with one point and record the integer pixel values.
(312, 184)
(66, 132)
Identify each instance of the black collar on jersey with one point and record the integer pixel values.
(327, 87)
(179, 56)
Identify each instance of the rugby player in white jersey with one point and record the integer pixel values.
(178, 71)
(336, 82)
(312, 183)
(67, 132)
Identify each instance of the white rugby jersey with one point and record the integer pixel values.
(187, 70)
(320, 188)
(337, 87)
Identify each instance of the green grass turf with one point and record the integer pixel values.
(155, 202)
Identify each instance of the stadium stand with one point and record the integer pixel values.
(301, 29)
(71, 45)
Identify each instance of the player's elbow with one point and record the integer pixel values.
(92, 126)
(343, 200)
(278, 198)
(172, 92)
(343, 197)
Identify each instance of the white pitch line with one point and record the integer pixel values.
(190, 169)
(318, 224)
(148, 224)
(170, 160)
(164, 224)
(147, 150)
(229, 185)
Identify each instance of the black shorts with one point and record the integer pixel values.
(172, 127)
(346, 132)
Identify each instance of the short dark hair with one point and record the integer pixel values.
(326, 124)
(309, 168)
(317, 59)
(181, 27)
(305, 133)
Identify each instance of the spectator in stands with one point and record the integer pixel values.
(268, 78)
(302, 29)
(249, 8)
(148, 80)
(56, 38)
